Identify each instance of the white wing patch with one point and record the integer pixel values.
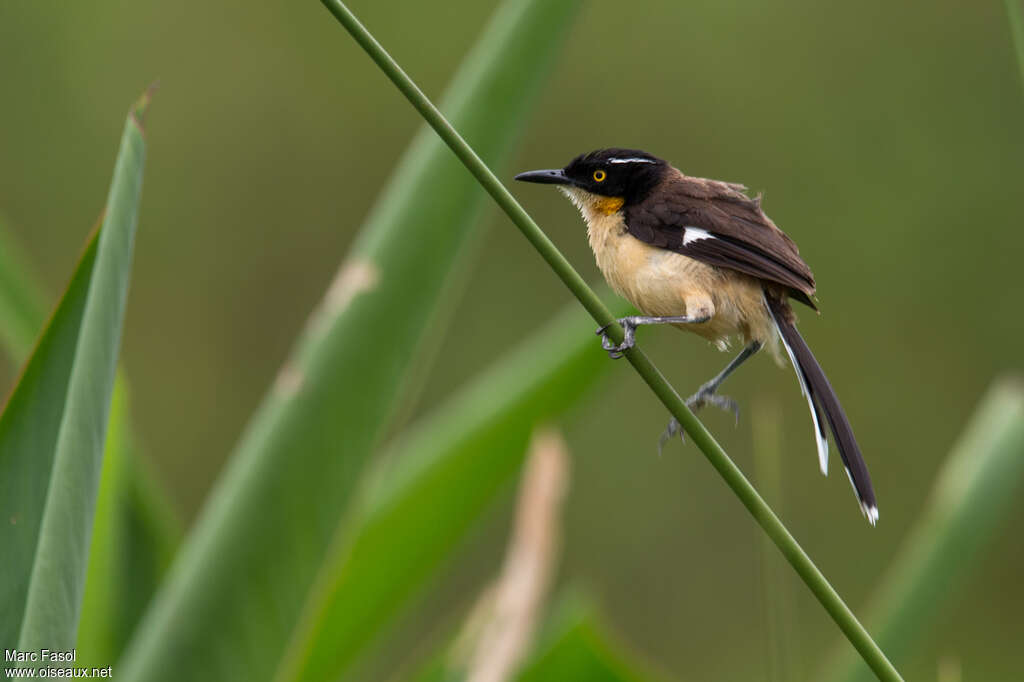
(694, 234)
(820, 439)
(631, 160)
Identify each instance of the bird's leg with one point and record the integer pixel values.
(706, 395)
(629, 325)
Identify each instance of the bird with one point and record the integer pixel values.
(701, 255)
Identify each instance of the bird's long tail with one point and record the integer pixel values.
(824, 403)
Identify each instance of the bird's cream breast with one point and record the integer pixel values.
(660, 282)
(656, 281)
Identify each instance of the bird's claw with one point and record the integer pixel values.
(671, 430)
(696, 401)
(615, 350)
(705, 397)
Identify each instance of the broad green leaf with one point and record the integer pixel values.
(101, 600)
(59, 426)
(134, 532)
(446, 471)
(28, 439)
(133, 541)
(982, 477)
(236, 590)
(22, 304)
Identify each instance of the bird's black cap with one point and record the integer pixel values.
(614, 172)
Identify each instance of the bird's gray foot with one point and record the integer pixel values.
(705, 396)
(671, 431)
(615, 350)
(629, 325)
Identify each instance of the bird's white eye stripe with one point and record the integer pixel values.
(692, 234)
(632, 160)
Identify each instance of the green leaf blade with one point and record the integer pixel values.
(134, 532)
(28, 439)
(57, 580)
(236, 590)
(446, 471)
(134, 537)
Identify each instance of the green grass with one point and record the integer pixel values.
(243, 574)
(28, 439)
(134, 532)
(52, 431)
(134, 538)
(441, 476)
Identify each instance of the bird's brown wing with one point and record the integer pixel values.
(716, 223)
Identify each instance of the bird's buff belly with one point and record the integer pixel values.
(660, 283)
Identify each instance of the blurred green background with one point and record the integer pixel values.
(886, 137)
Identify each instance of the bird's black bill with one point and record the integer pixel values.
(545, 177)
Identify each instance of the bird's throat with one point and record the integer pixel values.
(608, 205)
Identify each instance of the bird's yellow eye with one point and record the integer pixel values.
(600, 175)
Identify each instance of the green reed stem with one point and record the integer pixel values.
(702, 438)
